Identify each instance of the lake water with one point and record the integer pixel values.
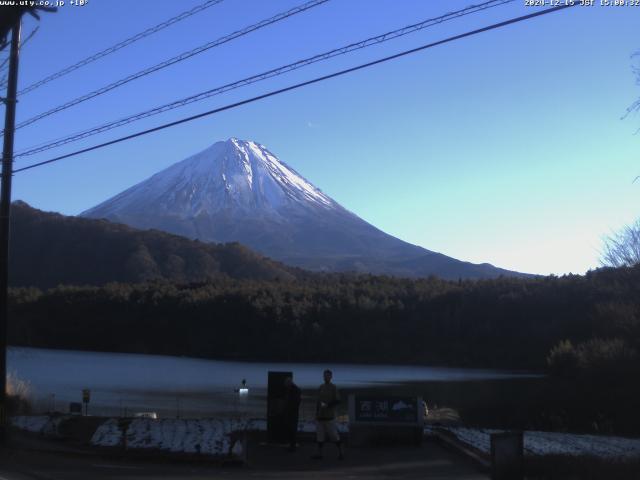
(188, 387)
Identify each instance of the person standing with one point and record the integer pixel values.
(326, 427)
(292, 397)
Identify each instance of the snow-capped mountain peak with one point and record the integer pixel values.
(238, 191)
(234, 173)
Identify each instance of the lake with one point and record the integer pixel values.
(187, 387)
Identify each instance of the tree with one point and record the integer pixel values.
(635, 106)
(622, 249)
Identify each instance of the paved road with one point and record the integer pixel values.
(429, 461)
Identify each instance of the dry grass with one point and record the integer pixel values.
(19, 395)
(443, 416)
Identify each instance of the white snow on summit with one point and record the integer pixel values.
(234, 173)
(282, 172)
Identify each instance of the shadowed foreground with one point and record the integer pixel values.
(26, 460)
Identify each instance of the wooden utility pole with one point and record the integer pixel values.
(10, 20)
(5, 209)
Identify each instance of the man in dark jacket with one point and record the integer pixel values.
(292, 399)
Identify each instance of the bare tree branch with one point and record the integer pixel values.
(622, 249)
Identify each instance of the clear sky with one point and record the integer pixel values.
(507, 147)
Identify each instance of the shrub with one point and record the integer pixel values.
(563, 359)
(596, 357)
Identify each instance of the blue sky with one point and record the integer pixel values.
(507, 147)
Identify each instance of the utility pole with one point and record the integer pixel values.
(5, 210)
(10, 20)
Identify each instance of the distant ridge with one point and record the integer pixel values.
(238, 190)
(48, 249)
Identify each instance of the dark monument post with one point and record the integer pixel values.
(507, 456)
(276, 428)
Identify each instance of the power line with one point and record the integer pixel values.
(263, 76)
(176, 59)
(120, 45)
(5, 63)
(300, 85)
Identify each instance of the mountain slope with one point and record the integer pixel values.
(48, 249)
(239, 191)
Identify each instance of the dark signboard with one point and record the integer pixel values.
(75, 408)
(387, 409)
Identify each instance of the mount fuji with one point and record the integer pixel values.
(238, 190)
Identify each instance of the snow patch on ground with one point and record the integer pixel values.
(30, 424)
(43, 424)
(553, 443)
(109, 434)
(195, 436)
(217, 436)
(209, 437)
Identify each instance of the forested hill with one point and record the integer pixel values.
(49, 249)
(502, 322)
